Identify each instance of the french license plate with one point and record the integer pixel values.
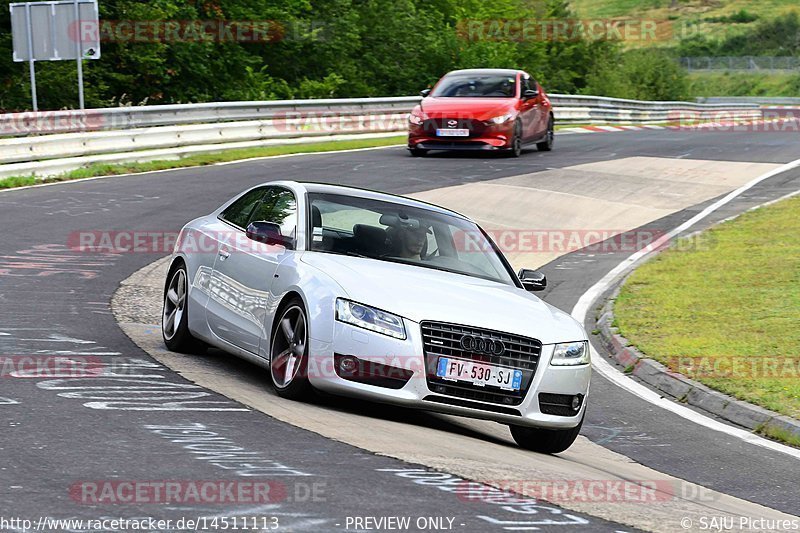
(479, 374)
(457, 132)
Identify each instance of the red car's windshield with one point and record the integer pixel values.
(480, 85)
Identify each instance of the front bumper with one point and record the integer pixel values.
(495, 137)
(407, 357)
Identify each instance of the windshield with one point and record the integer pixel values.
(476, 85)
(397, 233)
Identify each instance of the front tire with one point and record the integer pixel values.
(545, 440)
(418, 152)
(516, 141)
(288, 367)
(175, 314)
(547, 144)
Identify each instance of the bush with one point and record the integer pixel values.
(640, 75)
(779, 36)
(741, 17)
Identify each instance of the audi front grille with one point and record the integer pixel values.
(442, 339)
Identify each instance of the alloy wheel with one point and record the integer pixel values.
(288, 346)
(174, 304)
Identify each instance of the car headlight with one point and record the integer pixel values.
(370, 318)
(502, 119)
(417, 120)
(571, 353)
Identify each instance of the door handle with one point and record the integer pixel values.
(224, 254)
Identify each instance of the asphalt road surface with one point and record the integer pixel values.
(66, 438)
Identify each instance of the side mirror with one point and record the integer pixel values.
(269, 234)
(530, 93)
(424, 92)
(532, 280)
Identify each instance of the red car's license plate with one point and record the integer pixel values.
(458, 132)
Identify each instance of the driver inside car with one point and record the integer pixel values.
(409, 241)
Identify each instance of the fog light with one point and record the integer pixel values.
(348, 365)
(577, 400)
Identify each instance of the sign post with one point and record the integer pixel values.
(54, 31)
(78, 50)
(31, 65)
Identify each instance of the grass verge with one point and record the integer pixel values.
(725, 310)
(744, 83)
(201, 160)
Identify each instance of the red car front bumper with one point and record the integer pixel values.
(481, 136)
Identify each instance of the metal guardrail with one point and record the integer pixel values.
(120, 118)
(51, 142)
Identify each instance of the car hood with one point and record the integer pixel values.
(418, 293)
(477, 108)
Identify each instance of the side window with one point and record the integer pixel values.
(279, 207)
(526, 84)
(238, 213)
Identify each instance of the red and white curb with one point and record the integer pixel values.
(771, 124)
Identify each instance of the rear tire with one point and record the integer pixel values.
(545, 440)
(175, 314)
(288, 365)
(418, 152)
(547, 144)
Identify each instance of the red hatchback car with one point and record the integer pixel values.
(482, 109)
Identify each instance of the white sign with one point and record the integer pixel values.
(53, 31)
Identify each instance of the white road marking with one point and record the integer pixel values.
(222, 452)
(581, 310)
(55, 337)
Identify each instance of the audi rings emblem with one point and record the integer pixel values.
(452, 123)
(485, 345)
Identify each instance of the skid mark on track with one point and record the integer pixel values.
(86, 203)
(44, 260)
(206, 444)
(105, 381)
(621, 435)
(537, 513)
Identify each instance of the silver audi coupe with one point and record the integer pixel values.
(379, 297)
